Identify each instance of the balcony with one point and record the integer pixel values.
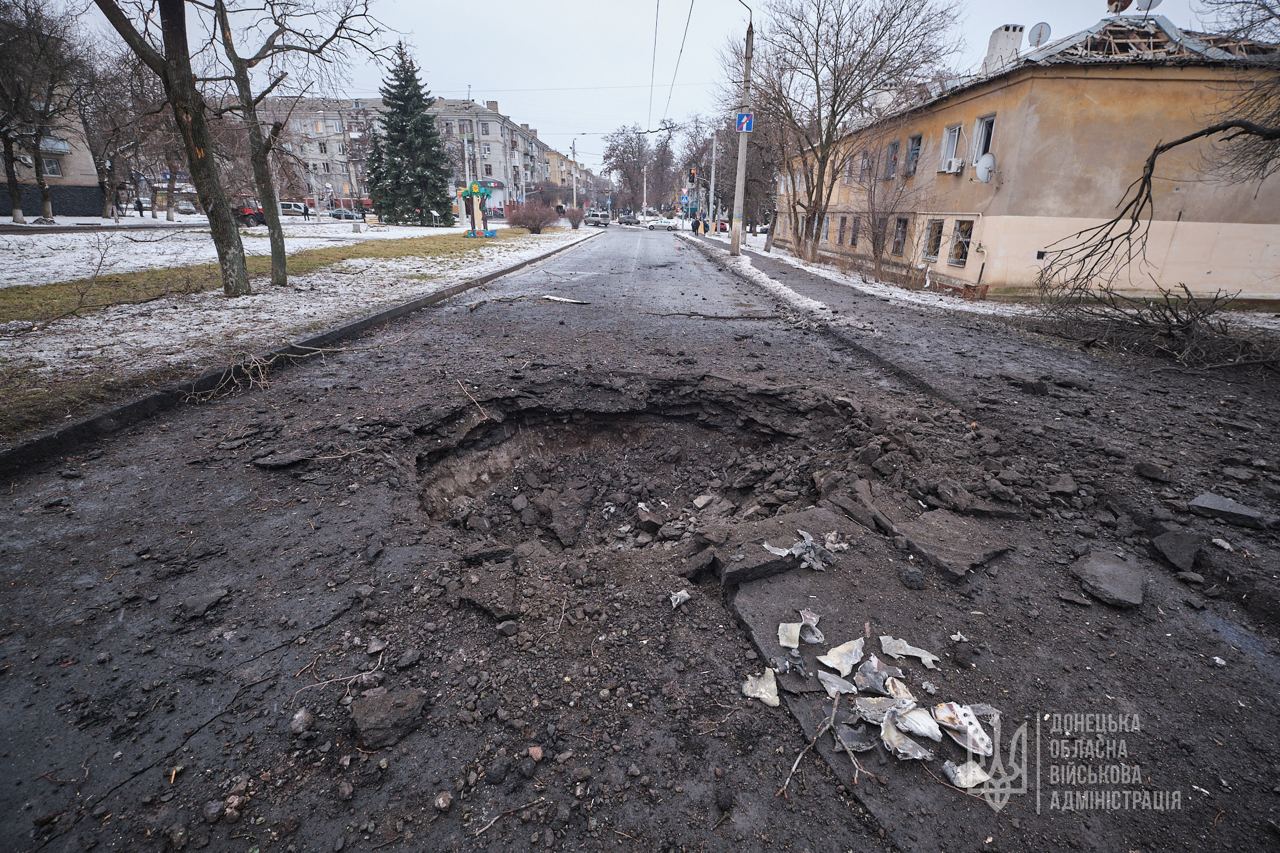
(54, 145)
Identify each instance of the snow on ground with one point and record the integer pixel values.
(31, 257)
(193, 331)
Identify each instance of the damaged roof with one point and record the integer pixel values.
(1150, 38)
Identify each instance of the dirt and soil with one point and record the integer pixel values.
(416, 596)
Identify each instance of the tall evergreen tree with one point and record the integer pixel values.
(408, 169)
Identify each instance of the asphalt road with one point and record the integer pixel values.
(179, 592)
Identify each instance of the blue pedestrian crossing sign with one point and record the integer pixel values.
(746, 122)
(684, 199)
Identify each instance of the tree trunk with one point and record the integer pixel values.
(104, 183)
(259, 152)
(189, 113)
(171, 164)
(11, 179)
(46, 196)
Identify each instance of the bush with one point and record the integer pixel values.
(574, 215)
(534, 216)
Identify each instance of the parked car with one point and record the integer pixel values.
(292, 208)
(663, 222)
(343, 213)
(185, 206)
(248, 212)
(598, 217)
(628, 219)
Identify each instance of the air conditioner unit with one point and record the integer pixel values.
(954, 166)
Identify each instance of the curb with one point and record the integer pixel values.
(708, 249)
(26, 455)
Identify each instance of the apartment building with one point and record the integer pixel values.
(69, 171)
(971, 187)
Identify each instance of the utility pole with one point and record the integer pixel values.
(740, 182)
(711, 192)
(644, 188)
(573, 149)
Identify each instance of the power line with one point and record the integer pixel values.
(653, 62)
(679, 56)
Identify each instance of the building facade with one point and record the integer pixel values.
(973, 187)
(69, 171)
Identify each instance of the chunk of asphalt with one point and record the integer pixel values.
(1113, 580)
(1216, 506)
(1181, 549)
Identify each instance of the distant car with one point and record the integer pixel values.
(663, 222)
(598, 217)
(292, 208)
(248, 212)
(628, 219)
(185, 206)
(343, 213)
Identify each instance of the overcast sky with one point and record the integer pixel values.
(575, 69)
(581, 69)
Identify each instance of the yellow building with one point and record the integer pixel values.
(972, 186)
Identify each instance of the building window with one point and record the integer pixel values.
(950, 142)
(853, 232)
(52, 167)
(899, 236)
(864, 172)
(914, 144)
(488, 170)
(464, 125)
(826, 229)
(484, 128)
(485, 150)
(322, 147)
(960, 243)
(983, 134)
(342, 148)
(933, 240)
(448, 128)
(848, 171)
(891, 159)
(840, 231)
(324, 167)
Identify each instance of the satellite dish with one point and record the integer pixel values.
(985, 168)
(1147, 5)
(1039, 34)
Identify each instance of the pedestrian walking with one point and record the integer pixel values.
(137, 204)
(306, 212)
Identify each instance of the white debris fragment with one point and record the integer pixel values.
(1223, 544)
(929, 687)
(811, 554)
(551, 298)
(918, 721)
(898, 649)
(763, 687)
(678, 598)
(809, 632)
(898, 743)
(957, 637)
(789, 634)
(963, 726)
(967, 775)
(835, 685)
(844, 657)
(1217, 661)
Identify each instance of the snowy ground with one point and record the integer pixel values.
(193, 331)
(1260, 320)
(35, 258)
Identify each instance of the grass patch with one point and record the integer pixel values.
(42, 302)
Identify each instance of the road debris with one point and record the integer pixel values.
(835, 685)
(763, 687)
(964, 728)
(967, 775)
(871, 676)
(678, 598)
(789, 634)
(844, 657)
(918, 721)
(873, 708)
(811, 553)
(809, 632)
(564, 300)
(858, 738)
(898, 649)
(898, 743)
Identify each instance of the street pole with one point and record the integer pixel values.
(711, 192)
(573, 149)
(740, 182)
(644, 189)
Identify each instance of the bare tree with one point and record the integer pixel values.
(171, 62)
(38, 87)
(829, 66)
(299, 37)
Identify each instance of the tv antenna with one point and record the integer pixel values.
(1039, 34)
